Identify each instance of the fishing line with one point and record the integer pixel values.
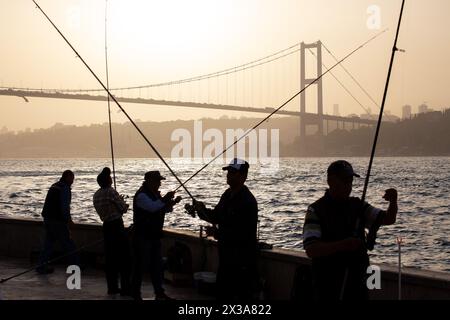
(107, 86)
(51, 261)
(351, 76)
(278, 109)
(371, 241)
(342, 85)
(117, 102)
(380, 116)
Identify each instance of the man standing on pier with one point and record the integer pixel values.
(149, 210)
(334, 236)
(236, 215)
(110, 207)
(57, 218)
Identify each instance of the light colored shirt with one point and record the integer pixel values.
(312, 230)
(109, 204)
(143, 201)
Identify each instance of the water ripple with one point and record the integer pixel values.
(283, 196)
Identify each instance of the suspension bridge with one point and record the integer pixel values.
(253, 87)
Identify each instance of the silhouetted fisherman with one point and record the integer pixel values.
(57, 218)
(149, 209)
(110, 206)
(333, 241)
(236, 216)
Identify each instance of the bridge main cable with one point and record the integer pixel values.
(255, 63)
(278, 109)
(118, 104)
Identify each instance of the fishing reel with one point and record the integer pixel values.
(190, 209)
(209, 231)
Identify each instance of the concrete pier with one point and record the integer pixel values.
(21, 238)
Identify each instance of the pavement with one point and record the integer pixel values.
(54, 286)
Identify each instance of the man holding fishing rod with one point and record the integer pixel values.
(334, 236)
(236, 215)
(110, 207)
(149, 210)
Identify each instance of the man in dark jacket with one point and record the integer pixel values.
(236, 216)
(334, 236)
(56, 214)
(149, 209)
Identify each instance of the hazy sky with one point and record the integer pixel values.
(157, 41)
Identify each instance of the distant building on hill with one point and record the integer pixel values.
(423, 108)
(406, 111)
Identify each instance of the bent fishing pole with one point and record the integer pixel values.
(279, 108)
(116, 102)
(370, 242)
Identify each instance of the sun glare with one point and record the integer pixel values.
(170, 25)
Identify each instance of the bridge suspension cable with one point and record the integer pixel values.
(117, 102)
(276, 110)
(342, 85)
(351, 76)
(255, 63)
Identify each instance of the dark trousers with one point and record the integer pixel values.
(57, 231)
(146, 250)
(117, 255)
(236, 278)
(328, 285)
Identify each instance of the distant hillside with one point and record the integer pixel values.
(423, 135)
(426, 134)
(93, 141)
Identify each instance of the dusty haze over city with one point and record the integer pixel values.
(158, 41)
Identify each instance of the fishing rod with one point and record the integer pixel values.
(51, 261)
(278, 109)
(380, 115)
(372, 235)
(117, 102)
(107, 86)
(341, 84)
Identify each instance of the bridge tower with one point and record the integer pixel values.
(304, 121)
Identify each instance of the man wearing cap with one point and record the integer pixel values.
(149, 209)
(236, 216)
(334, 236)
(110, 207)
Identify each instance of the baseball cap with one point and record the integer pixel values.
(341, 168)
(237, 165)
(153, 175)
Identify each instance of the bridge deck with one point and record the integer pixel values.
(305, 115)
